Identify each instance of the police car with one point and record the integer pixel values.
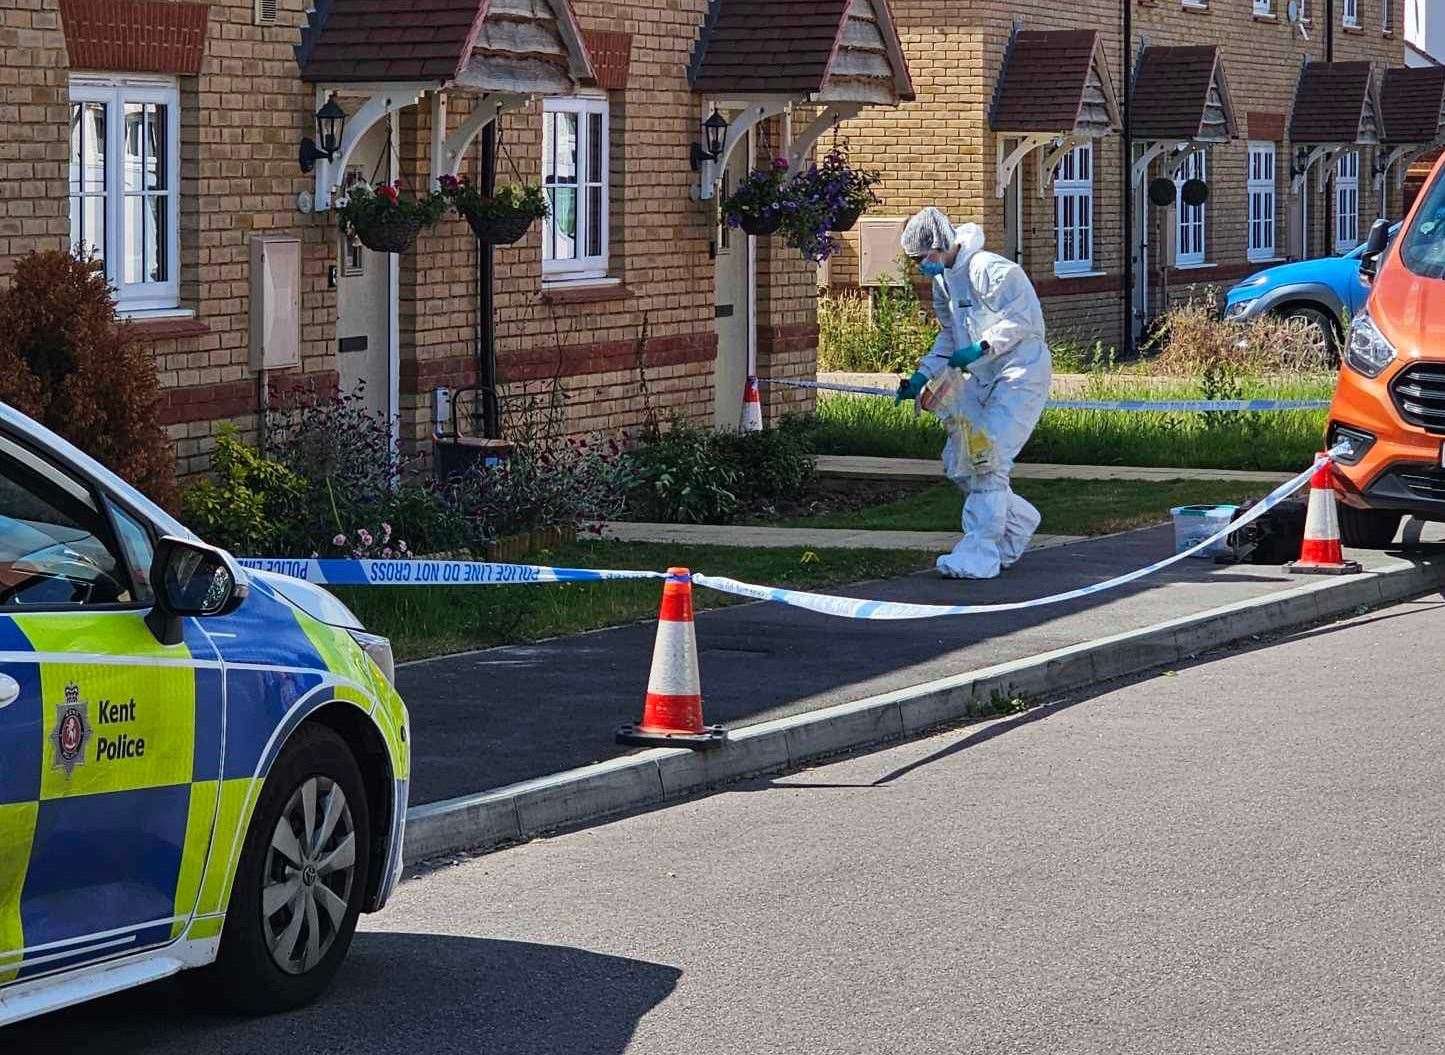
(200, 767)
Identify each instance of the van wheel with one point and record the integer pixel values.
(1368, 528)
(300, 881)
(1320, 330)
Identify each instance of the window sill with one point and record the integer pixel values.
(1351, 29)
(1266, 259)
(583, 291)
(163, 323)
(1198, 9)
(1203, 266)
(1271, 19)
(1064, 276)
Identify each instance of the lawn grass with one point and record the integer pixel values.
(430, 621)
(1282, 440)
(1070, 507)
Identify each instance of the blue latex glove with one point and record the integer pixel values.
(912, 388)
(961, 358)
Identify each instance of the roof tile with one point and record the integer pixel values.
(1329, 102)
(1411, 102)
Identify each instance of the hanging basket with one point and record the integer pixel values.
(391, 235)
(846, 220)
(757, 225)
(500, 226)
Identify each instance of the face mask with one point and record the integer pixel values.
(931, 268)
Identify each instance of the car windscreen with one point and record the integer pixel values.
(1423, 249)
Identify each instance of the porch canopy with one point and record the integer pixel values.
(1336, 106)
(1054, 94)
(1181, 104)
(1412, 110)
(765, 57)
(498, 52)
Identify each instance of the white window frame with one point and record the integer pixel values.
(1387, 23)
(1350, 14)
(581, 267)
(1347, 201)
(115, 91)
(1191, 222)
(1262, 191)
(1074, 195)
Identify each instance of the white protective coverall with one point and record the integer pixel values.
(987, 298)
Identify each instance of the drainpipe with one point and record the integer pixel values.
(1127, 150)
(486, 348)
(1329, 30)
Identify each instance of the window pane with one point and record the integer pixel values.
(549, 168)
(566, 159)
(156, 231)
(91, 236)
(594, 148)
(564, 223)
(594, 221)
(134, 251)
(134, 145)
(93, 148)
(156, 156)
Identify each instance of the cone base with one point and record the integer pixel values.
(634, 736)
(1348, 567)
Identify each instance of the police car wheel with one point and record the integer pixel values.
(301, 879)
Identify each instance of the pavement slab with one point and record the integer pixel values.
(789, 537)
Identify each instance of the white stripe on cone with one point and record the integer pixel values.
(752, 407)
(1322, 522)
(674, 661)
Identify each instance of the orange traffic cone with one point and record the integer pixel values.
(1320, 552)
(672, 712)
(752, 407)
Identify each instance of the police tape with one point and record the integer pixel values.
(1166, 406)
(341, 571)
(857, 608)
(331, 571)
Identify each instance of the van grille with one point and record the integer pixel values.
(1419, 393)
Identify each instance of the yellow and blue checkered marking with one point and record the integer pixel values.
(107, 816)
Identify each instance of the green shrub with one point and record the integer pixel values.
(682, 476)
(691, 475)
(249, 507)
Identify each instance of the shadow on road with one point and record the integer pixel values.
(396, 993)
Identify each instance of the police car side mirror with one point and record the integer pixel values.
(1375, 245)
(191, 579)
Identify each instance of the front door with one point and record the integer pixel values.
(363, 292)
(733, 300)
(110, 742)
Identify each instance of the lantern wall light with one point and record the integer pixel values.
(330, 126)
(714, 133)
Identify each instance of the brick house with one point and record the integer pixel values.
(164, 136)
(1302, 131)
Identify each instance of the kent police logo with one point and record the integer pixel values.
(72, 731)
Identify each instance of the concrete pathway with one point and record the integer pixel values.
(787, 537)
(857, 467)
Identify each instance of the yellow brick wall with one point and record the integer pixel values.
(34, 117)
(940, 151)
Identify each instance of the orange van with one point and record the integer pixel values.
(1389, 405)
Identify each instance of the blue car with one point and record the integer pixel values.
(1322, 294)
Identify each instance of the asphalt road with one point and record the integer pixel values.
(1241, 856)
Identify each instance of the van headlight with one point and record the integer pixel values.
(1366, 350)
(379, 649)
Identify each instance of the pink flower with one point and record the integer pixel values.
(339, 540)
(364, 537)
(401, 547)
(781, 164)
(389, 193)
(386, 553)
(385, 531)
